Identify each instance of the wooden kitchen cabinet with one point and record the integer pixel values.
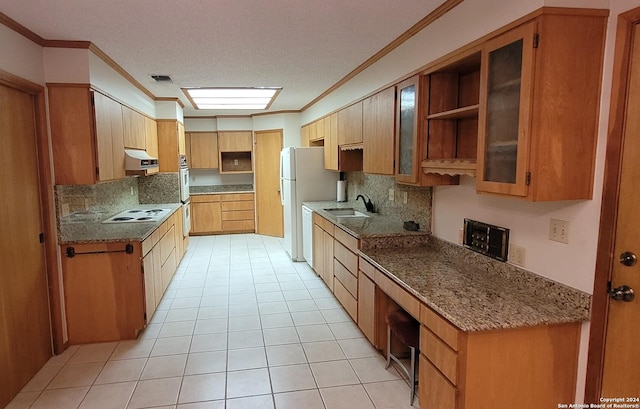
(331, 142)
(151, 136)
(451, 107)
(538, 116)
(407, 135)
(378, 125)
(104, 294)
(366, 300)
(206, 214)
(238, 213)
(345, 271)
(235, 151)
(86, 134)
(323, 231)
(204, 150)
(134, 129)
(529, 367)
(350, 124)
(171, 144)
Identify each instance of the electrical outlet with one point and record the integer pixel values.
(65, 210)
(392, 196)
(404, 197)
(131, 190)
(235, 162)
(460, 235)
(517, 255)
(559, 231)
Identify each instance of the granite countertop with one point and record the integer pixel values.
(376, 225)
(472, 291)
(85, 228)
(220, 189)
(476, 294)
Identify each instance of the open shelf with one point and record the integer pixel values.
(458, 113)
(451, 167)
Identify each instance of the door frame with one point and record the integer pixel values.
(609, 210)
(47, 203)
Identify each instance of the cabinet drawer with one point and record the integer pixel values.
(168, 269)
(439, 354)
(238, 225)
(348, 280)
(150, 242)
(238, 215)
(346, 299)
(167, 244)
(237, 197)
(162, 229)
(439, 326)
(435, 392)
(205, 198)
(346, 257)
(367, 268)
(229, 206)
(324, 224)
(398, 294)
(348, 240)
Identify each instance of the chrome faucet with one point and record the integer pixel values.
(367, 203)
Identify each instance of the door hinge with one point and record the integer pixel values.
(527, 178)
(41, 237)
(536, 40)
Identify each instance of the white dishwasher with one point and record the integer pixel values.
(307, 234)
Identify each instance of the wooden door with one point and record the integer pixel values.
(25, 340)
(269, 209)
(621, 377)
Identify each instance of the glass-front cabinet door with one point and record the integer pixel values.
(506, 85)
(407, 148)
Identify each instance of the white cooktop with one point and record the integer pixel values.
(139, 216)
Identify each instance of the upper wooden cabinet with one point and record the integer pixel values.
(378, 128)
(151, 136)
(171, 144)
(538, 118)
(235, 151)
(350, 124)
(331, 142)
(86, 134)
(407, 135)
(203, 150)
(134, 128)
(235, 141)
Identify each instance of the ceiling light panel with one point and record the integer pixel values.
(231, 98)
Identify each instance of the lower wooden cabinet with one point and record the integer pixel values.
(323, 249)
(222, 213)
(112, 290)
(366, 301)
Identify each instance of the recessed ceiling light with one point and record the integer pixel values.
(231, 98)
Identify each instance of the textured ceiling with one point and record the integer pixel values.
(303, 46)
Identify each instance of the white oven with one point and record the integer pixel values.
(184, 179)
(186, 218)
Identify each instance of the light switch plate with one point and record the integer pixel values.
(391, 195)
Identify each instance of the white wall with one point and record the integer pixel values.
(289, 123)
(20, 56)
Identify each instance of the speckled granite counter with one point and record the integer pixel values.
(472, 291)
(476, 293)
(219, 189)
(375, 225)
(88, 227)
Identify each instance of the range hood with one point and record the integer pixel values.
(139, 160)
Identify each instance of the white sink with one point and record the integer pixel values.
(345, 212)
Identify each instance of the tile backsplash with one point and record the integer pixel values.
(86, 202)
(417, 208)
(101, 198)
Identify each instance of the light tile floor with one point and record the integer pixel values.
(240, 326)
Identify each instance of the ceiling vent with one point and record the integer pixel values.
(162, 78)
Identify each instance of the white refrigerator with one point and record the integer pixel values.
(303, 178)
